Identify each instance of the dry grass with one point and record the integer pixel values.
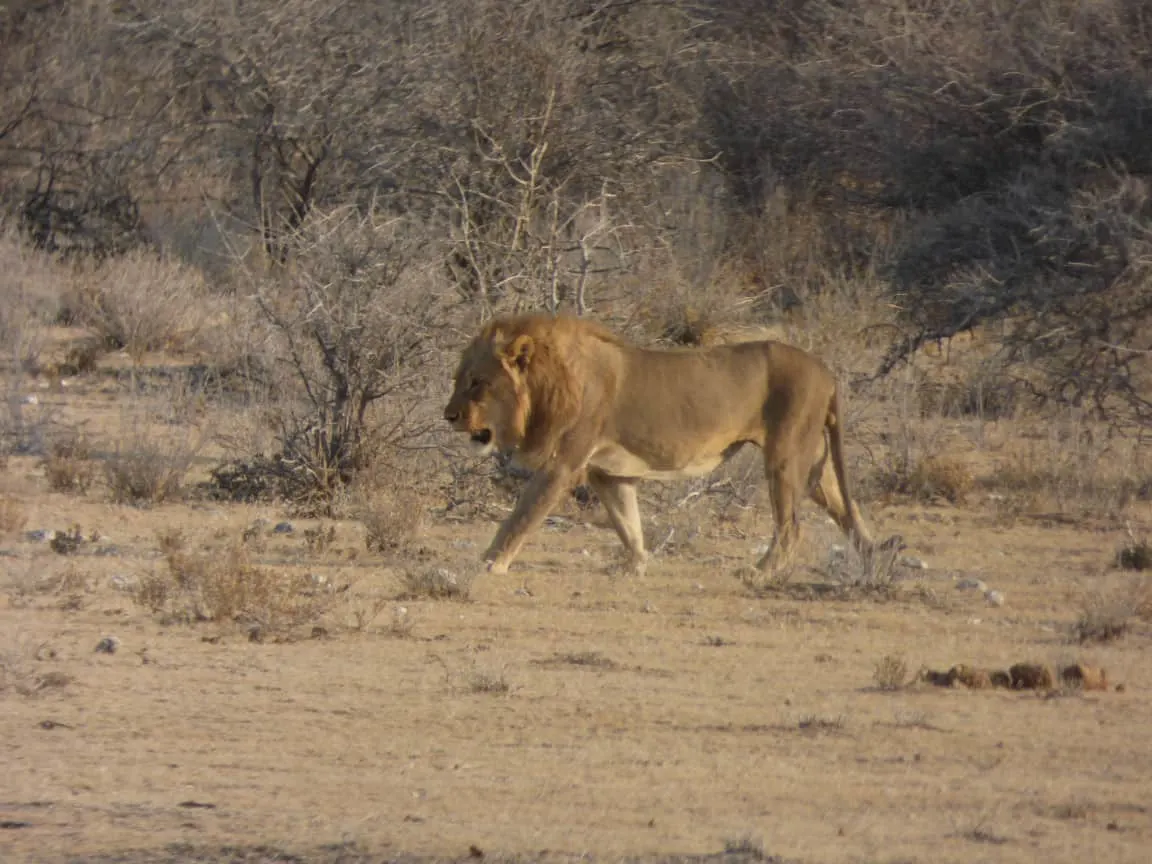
(22, 671)
(434, 583)
(13, 514)
(148, 465)
(890, 672)
(68, 465)
(393, 519)
(1104, 619)
(225, 586)
(141, 302)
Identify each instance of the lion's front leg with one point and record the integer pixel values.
(535, 503)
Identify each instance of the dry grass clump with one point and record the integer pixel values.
(20, 672)
(148, 466)
(225, 586)
(1077, 468)
(1136, 554)
(434, 583)
(141, 302)
(1104, 619)
(890, 672)
(392, 519)
(13, 514)
(945, 476)
(68, 465)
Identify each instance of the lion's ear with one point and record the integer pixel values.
(519, 351)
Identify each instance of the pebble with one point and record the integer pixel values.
(913, 562)
(107, 645)
(283, 528)
(971, 585)
(994, 598)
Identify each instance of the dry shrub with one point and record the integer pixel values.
(944, 476)
(141, 302)
(890, 673)
(1104, 619)
(434, 583)
(20, 669)
(226, 586)
(13, 514)
(1135, 555)
(392, 519)
(148, 466)
(68, 465)
(494, 681)
(82, 356)
(1076, 468)
(874, 569)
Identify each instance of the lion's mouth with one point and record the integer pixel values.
(482, 438)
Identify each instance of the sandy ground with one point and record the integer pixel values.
(563, 712)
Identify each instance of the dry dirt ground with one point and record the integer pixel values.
(563, 713)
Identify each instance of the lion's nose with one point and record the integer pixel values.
(451, 414)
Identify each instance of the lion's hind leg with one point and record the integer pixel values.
(619, 498)
(825, 491)
(784, 486)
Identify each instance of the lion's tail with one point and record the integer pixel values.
(835, 427)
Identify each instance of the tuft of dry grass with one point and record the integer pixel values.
(392, 520)
(141, 302)
(890, 672)
(20, 670)
(492, 681)
(434, 583)
(147, 466)
(818, 723)
(1135, 554)
(68, 465)
(13, 514)
(748, 846)
(1104, 619)
(225, 586)
(944, 476)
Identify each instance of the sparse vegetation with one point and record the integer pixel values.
(392, 519)
(890, 672)
(225, 586)
(748, 846)
(433, 583)
(147, 465)
(13, 514)
(1104, 619)
(68, 464)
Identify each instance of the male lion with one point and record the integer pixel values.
(566, 395)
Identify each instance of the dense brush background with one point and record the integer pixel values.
(320, 200)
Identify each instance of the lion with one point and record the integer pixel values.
(566, 396)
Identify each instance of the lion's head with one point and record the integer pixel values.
(513, 388)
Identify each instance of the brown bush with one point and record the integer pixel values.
(68, 465)
(225, 586)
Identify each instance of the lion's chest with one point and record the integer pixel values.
(617, 461)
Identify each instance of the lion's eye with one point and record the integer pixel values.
(475, 385)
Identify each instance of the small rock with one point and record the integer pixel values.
(38, 536)
(122, 582)
(283, 528)
(463, 544)
(971, 585)
(913, 563)
(994, 598)
(107, 645)
(30, 399)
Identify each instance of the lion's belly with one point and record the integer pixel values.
(619, 462)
